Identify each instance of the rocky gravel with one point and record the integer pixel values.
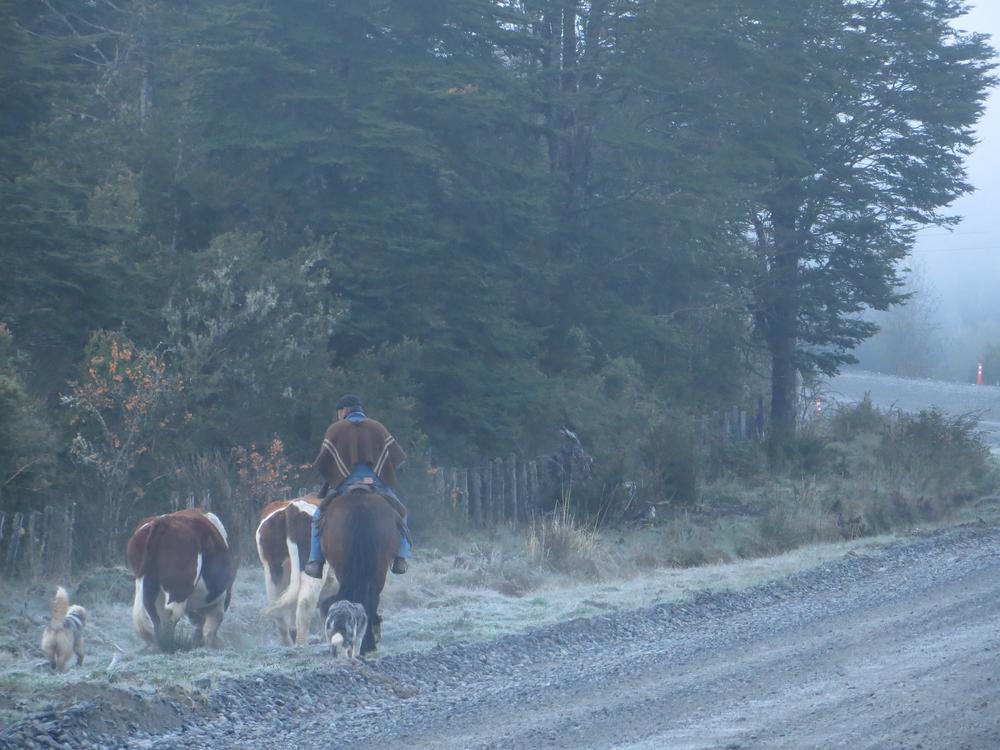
(895, 647)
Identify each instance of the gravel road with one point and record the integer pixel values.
(895, 647)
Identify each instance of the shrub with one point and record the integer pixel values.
(119, 408)
(935, 457)
(560, 542)
(670, 461)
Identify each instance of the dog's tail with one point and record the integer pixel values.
(337, 639)
(60, 606)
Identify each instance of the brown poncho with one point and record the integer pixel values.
(347, 444)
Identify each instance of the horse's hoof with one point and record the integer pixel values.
(399, 565)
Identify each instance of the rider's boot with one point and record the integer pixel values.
(314, 567)
(399, 564)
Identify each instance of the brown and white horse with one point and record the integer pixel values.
(283, 541)
(182, 565)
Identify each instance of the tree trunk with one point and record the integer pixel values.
(782, 319)
(783, 371)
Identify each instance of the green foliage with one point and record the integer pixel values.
(744, 459)
(27, 447)
(670, 460)
(248, 336)
(489, 219)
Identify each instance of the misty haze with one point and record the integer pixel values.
(499, 374)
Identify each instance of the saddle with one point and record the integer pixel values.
(367, 486)
(362, 485)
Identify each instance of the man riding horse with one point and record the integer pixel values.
(357, 450)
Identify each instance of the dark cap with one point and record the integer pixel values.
(349, 402)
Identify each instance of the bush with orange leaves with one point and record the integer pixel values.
(263, 474)
(119, 409)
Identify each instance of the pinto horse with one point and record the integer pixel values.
(360, 537)
(182, 565)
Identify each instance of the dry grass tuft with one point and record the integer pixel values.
(565, 545)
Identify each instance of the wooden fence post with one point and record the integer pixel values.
(498, 491)
(452, 488)
(522, 492)
(34, 538)
(16, 532)
(437, 484)
(488, 494)
(48, 532)
(70, 536)
(534, 490)
(510, 484)
(475, 485)
(463, 487)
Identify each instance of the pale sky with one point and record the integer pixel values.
(963, 265)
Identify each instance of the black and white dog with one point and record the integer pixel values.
(64, 635)
(346, 623)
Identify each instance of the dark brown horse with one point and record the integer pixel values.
(360, 538)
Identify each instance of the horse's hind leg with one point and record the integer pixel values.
(305, 607)
(373, 626)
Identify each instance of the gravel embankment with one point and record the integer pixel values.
(895, 648)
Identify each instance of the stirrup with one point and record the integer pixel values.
(399, 566)
(314, 569)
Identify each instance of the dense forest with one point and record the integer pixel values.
(490, 218)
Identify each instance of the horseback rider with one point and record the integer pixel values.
(358, 450)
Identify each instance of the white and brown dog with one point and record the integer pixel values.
(64, 635)
(346, 623)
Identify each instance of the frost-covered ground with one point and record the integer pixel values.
(888, 643)
(914, 394)
(484, 590)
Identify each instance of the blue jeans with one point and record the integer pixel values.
(405, 546)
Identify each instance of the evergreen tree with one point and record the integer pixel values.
(64, 146)
(856, 117)
(27, 448)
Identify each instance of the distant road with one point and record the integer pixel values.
(914, 394)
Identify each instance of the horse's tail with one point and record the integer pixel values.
(358, 582)
(290, 596)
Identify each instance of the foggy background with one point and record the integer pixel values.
(953, 321)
